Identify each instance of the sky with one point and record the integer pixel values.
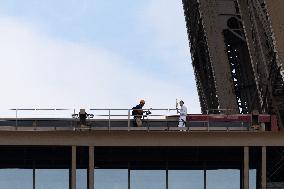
(94, 54)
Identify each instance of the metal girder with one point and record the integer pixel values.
(254, 78)
(219, 80)
(200, 57)
(264, 54)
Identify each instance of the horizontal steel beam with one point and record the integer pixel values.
(141, 138)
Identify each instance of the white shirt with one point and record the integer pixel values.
(183, 112)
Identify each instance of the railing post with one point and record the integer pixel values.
(109, 119)
(148, 120)
(168, 127)
(16, 119)
(128, 120)
(208, 125)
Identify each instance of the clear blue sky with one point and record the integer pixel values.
(95, 54)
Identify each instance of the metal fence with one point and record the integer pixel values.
(116, 119)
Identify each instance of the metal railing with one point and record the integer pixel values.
(97, 114)
(123, 114)
(17, 110)
(121, 119)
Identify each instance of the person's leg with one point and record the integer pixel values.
(139, 122)
(180, 123)
(134, 122)
(184, 124)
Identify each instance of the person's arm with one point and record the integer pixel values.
(178, 111)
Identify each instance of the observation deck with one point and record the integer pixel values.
(115, 127)
(107, 139)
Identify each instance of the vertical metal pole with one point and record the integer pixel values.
(208, 122)
(258, 177)
(109, 119)
(241, 177)
(73, 168)
(74, 122)
(246, 168)
(204, 178)
(16, 117)
(208, 125)
(148, 119)
(128, 120)
(263, 167)
(91, 168)
(33, 176)
(167, 176)
(129, 176)
(169, 111)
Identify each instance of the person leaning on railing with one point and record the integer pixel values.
(182, 114)
(137, 112)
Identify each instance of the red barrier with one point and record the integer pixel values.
(263, 118)
(220, 118)
(245, 118)
(274, 125)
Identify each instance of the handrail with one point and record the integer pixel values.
(106, 115)
(34, 109)
(133, 109)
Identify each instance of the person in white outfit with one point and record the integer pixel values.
(182, 114)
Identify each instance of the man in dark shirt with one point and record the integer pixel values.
(137, 112)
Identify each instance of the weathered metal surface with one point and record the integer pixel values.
(224, 54)
(275, 12)
(214, 24)
(141, 138)
(242, 47)
(265, 56)
(201, 60)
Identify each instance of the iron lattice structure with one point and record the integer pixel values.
(237, 49)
